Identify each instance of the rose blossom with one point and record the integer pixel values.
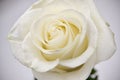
(61, 39)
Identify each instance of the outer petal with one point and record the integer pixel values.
(31, 57)
(27, 54)
(41, 4)
(23, 25)
(19, 34)
(50, 6)
(106, 44)
(81, 74)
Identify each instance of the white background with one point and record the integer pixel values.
(11, 69)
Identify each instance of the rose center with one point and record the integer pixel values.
(55, 31)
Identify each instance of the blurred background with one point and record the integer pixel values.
(11, 69)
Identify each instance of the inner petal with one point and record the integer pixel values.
(74, 29)
(57, 36)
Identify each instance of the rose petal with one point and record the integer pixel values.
(23, 25)
(31, 57)
(41, 4)
(81, 74)
(92, 35)
(67, 15)
(106, 43)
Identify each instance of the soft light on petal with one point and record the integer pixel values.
(80, 74)
(27, 54)
(106, 43)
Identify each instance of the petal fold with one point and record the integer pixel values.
(81, 74)
(30, 56)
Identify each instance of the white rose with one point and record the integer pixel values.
(61, 39)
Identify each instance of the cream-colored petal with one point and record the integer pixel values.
(75, 62)
(40, 27)
(41, 4)
(23, 25)
(52, 9)
(30, 56)
(80, 5)
(84, 71)
(106, 43)
(81, 74)
(92, 35)
(33, 13)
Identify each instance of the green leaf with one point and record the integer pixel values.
(93, 75)
(35, 79)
